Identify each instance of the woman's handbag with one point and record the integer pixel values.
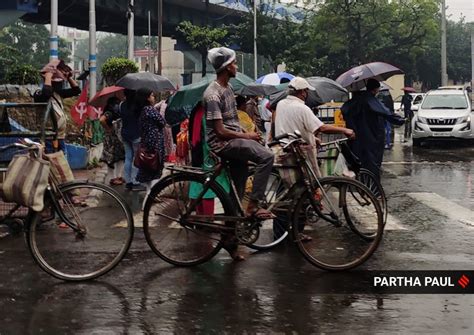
(26, 181)
(146, 159)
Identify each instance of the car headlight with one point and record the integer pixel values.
(421, 119)
(464, 119)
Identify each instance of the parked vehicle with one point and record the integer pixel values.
(417, 99)
(444, 113)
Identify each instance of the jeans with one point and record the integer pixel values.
(388, 133)
(130, 171)
(238, 152)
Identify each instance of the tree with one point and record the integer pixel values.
(202, 39)
(115, 68)
(22, 75)
(346, 33)
(274, 37)
(24, 43)
(458, 34)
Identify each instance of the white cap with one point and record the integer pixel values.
(220, 57)
(299, 83)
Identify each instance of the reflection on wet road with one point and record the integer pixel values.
(273, 292)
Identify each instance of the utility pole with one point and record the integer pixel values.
(131, 31)
(255, 72)
(150, 67)
(92, 51)
(444, 72)
(160, 34)
(472, 61)
(53, 37)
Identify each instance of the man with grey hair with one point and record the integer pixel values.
(226, 138)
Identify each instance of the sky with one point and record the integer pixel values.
(458, 7)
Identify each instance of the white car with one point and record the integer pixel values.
(443, 113)
(417, 98)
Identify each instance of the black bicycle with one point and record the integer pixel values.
(189, 215)
(83, 232)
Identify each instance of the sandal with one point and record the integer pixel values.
(262, 214)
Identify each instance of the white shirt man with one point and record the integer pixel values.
(292, 114)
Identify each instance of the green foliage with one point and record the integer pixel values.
(24, 43)
(22, 75)
(202, 38)
(115, 68)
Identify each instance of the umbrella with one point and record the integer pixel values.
(135, 81)
(100, 99)
(257, 89)
(187, 97)
(355, 79)
(385, 87)
(275, 78)
(326, 90)
(409, 89)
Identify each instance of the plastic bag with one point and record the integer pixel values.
(341, 168)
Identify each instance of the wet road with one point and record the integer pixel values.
(430, 226)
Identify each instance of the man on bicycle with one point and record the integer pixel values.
(226, 138)
(292, 114)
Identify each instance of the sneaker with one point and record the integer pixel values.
(128, 186)
(138, 188)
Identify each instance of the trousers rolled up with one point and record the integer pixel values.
(239, 152)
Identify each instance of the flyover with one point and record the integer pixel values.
(111, 15)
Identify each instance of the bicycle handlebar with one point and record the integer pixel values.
(342, 140)
(28, 144)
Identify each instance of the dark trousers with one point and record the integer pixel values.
(240, 151)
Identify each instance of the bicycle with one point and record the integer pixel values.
(181, 231)
(276, 231)
(84, 230)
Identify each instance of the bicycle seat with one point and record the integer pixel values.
(353, 162)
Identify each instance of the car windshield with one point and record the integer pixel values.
(444, 101)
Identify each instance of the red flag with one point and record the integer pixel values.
(80, 110)
(94, 112)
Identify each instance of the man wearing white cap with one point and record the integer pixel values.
(226, 138)
(292, 114)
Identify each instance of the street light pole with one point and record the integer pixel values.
(150, 67)
(160, 34)
(130, 31)
(444, 72)
(255, 72)
(53, 37)
(92, 51)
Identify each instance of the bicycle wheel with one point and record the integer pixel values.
(334, 245)
(88, 236)
(172, 237)
(272, 232)
(373, 184)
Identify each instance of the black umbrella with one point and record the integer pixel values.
(326, 90)
(257, 89)
(356, 78)
(135, 81)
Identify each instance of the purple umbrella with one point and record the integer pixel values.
(356, 78)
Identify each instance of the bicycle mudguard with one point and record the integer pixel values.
(188, 169)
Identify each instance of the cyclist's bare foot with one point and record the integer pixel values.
(235, 253)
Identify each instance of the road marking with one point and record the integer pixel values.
(393, 223)
(446, 207)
